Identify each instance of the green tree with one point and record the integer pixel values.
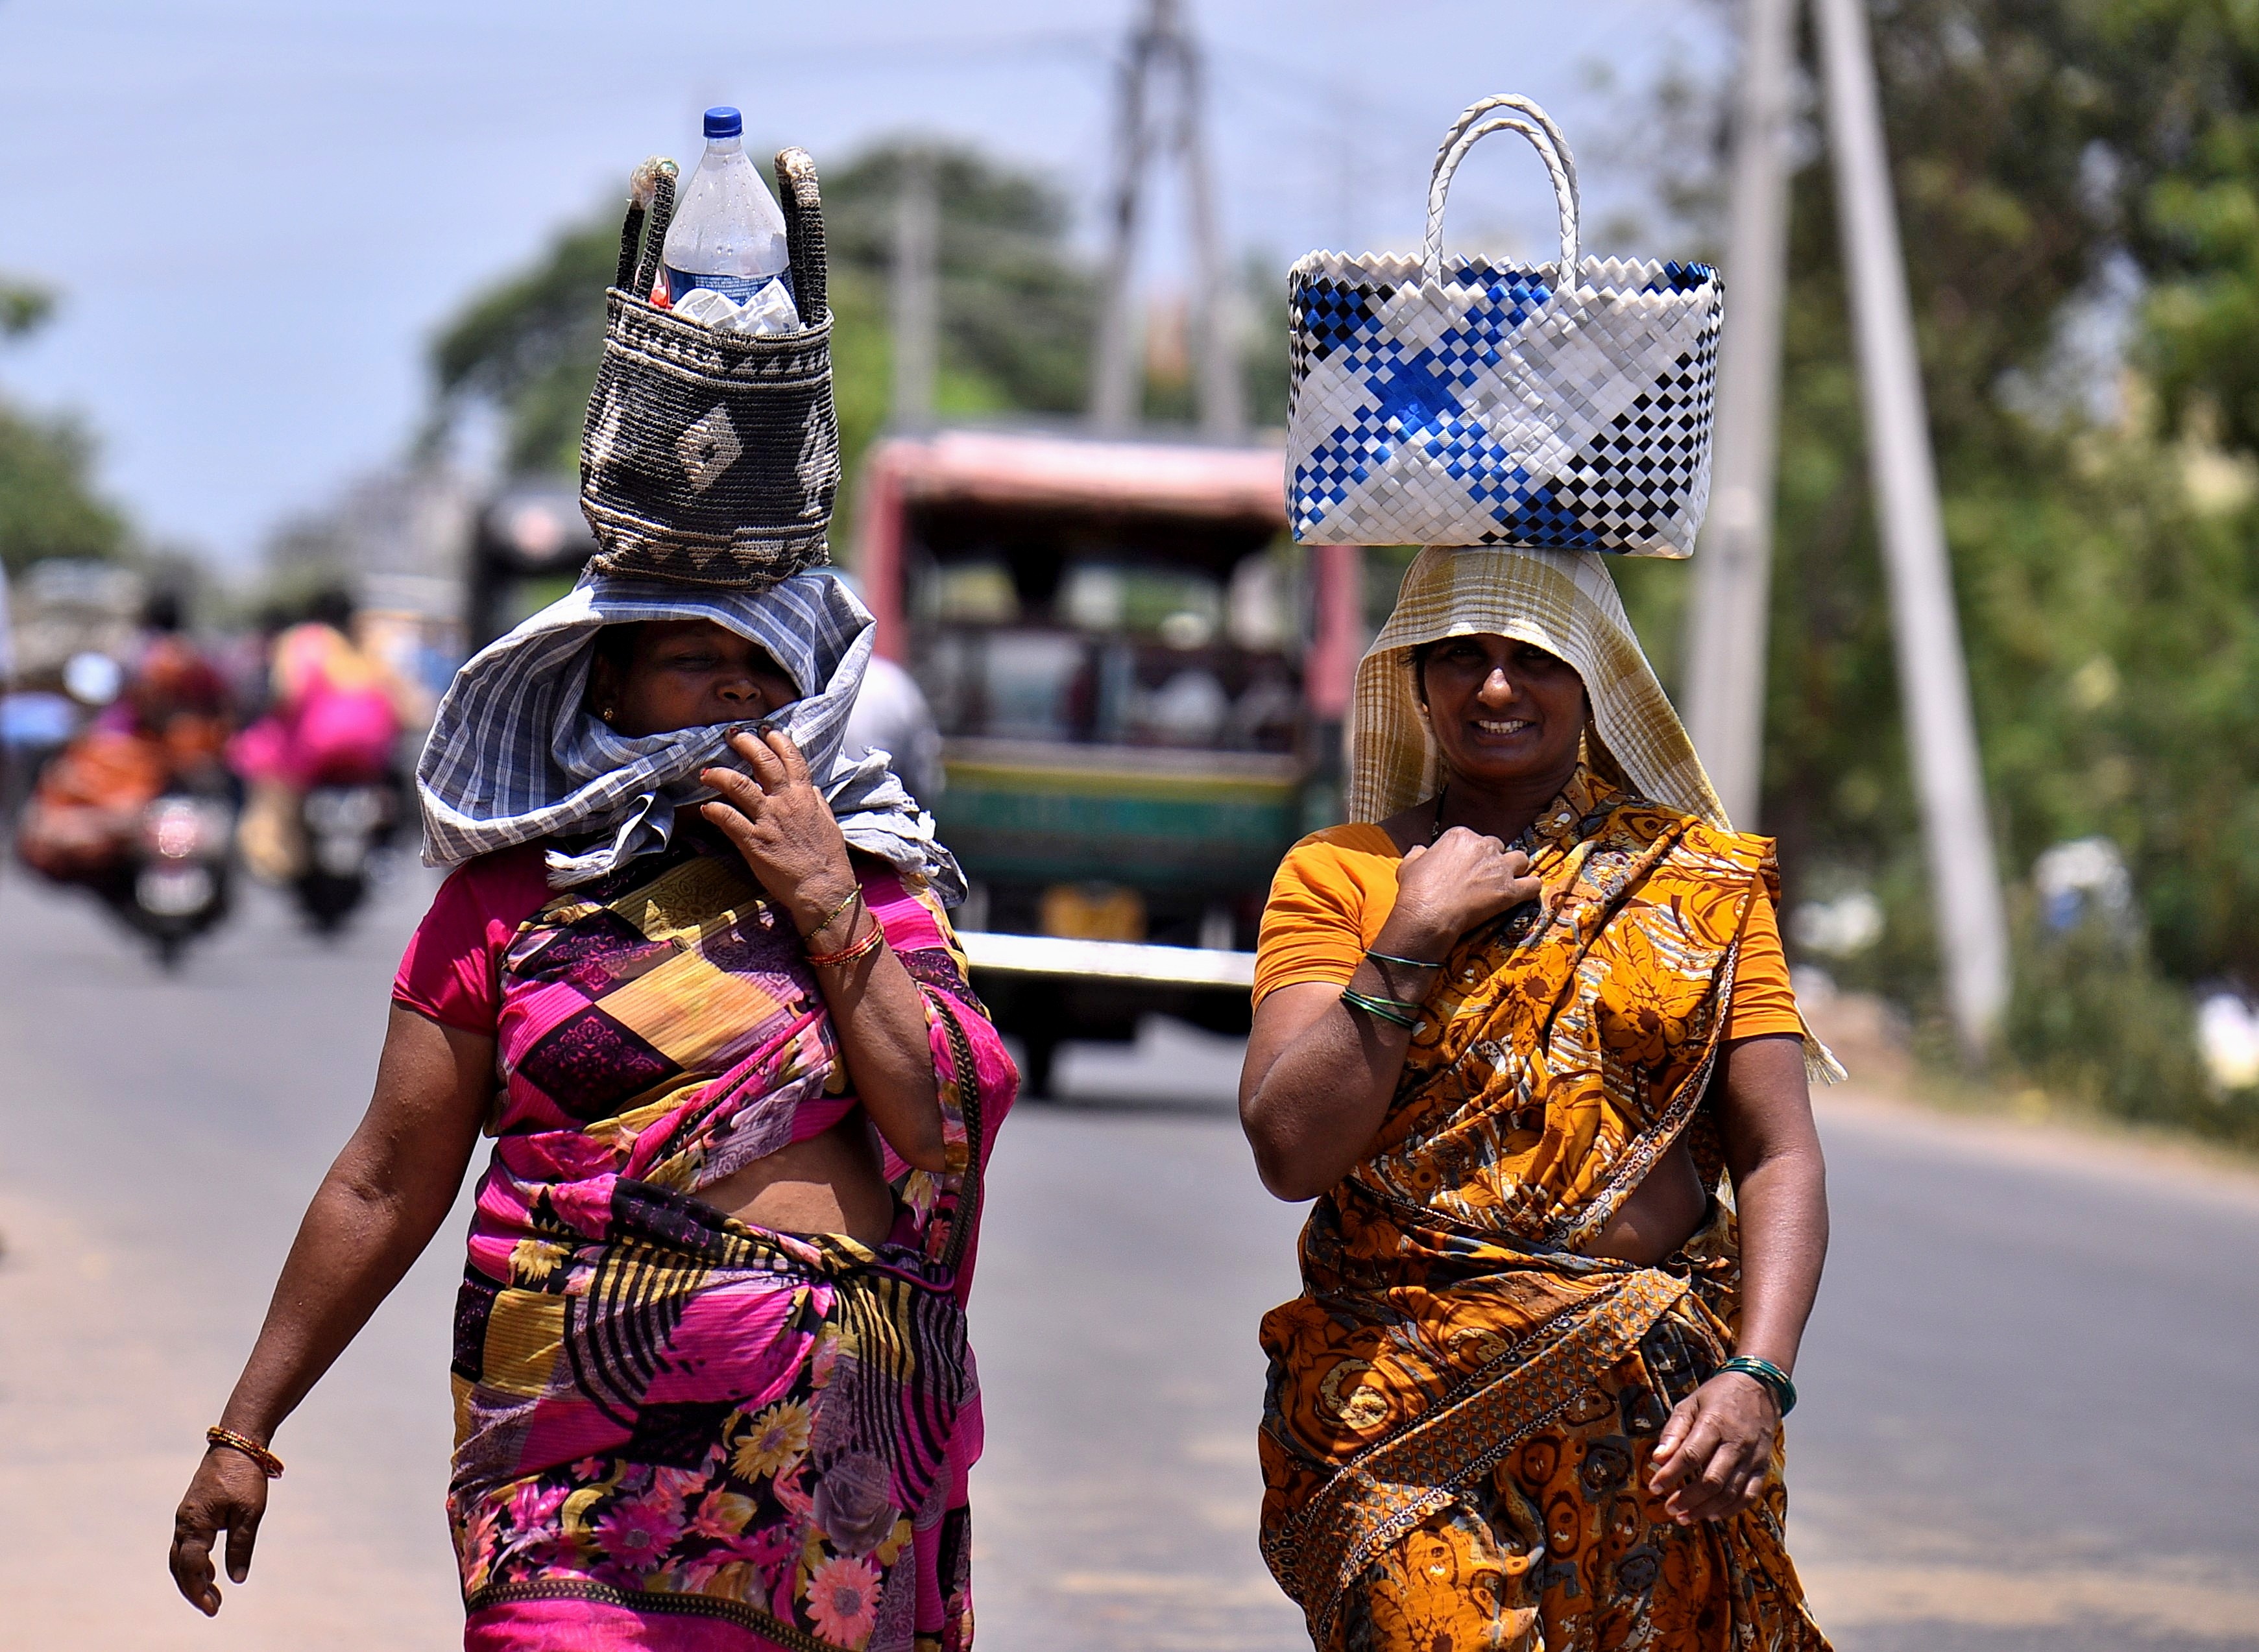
(1014, 311)
(47, 504)
(1017, 310)
(2078, 187)
(1017, 307)
(528, 348)
(23, 307)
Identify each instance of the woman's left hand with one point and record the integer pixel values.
(782, 826)
(1711, 1458)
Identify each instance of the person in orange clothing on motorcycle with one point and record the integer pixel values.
(168, 727)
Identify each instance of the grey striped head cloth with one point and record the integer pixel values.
(514, 756)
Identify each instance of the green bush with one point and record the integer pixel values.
(2094, 1020)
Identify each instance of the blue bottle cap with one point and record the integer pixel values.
(723, 123)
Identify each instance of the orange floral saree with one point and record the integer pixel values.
(1460, 1405)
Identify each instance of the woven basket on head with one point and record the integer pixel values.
(1565, 407)
(712, 458)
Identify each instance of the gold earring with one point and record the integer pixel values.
(607, 713)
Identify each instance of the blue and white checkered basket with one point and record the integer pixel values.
(1456, 402)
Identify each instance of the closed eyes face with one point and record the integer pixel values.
(663, 675)
(1502, 709)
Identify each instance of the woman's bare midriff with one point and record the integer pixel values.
(827, 1184)
(1661, 1214)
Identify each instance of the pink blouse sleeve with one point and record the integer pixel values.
(452, 969)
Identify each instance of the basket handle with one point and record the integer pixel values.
(650, 209)
(803, 201)
(1468, 131)
(1522, 106)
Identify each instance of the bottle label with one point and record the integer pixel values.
(737, 289)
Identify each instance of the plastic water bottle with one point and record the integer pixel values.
(727, 233)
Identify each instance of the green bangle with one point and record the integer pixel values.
(1784, 1391)
(1408, 963)
(832, 917)
(1390, 1009)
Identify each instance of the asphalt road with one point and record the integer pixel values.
(2029, 1389)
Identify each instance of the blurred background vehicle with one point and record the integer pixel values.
(58, 611)
(1138, 685)
(526, 546)
(134, 803)
(320, 764)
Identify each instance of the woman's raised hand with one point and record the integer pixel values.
(1462, 879)
(228, 1494)
(782, 826)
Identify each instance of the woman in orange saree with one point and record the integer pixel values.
(1524, 1032)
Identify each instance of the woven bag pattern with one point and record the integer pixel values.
(1436, 402)
(711, 457)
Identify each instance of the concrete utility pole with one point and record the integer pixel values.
(1162, 47)
(1726, 622)
(916, 295)
(1940, 731)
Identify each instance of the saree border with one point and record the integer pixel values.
(752, 1618)
(1646, 1149)
(964, 1220)
(1393, 1484)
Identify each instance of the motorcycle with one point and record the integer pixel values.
(154, 840)
(175, 881)
(344, 828)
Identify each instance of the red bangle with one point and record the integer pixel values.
(871, 942)
(269, 1465)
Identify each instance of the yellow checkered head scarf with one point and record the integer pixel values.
(1562, 602)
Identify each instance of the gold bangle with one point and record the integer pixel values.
(832, 917)
(869, 943)
(269, 1465)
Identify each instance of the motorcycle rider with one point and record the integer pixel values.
(164, 731)
(335, 714)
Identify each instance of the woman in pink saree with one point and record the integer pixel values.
(713, 1390)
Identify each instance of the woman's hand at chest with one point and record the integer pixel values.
(779, 822)
(1320, 1071)
(1445, 889)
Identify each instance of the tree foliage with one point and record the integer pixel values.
(1014, 310)
(49, 507)
(2190, 149)
(23, 307)
(1017, 311)
(2078, 188)
(528, 348)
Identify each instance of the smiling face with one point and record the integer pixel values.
(663, 675)
(1503, 712)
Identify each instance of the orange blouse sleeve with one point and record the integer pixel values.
(1763, 1002)
(1335, 889)
(1332, 894)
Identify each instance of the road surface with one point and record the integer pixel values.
(2028, 1390)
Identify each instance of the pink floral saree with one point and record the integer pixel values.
(675, 1430)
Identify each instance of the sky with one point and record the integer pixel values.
(257, 213)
